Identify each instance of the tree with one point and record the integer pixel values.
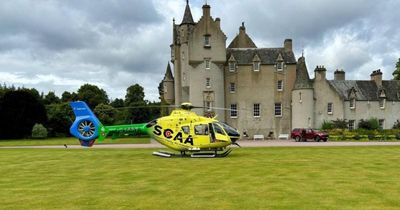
(396, 73)
(135, 98)
(60, 119)
(117, 103)
(51, 98)
(68, 97)
(105, 113)
(19, 111)
(92, 95)
(134, 95)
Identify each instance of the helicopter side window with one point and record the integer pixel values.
(201, 129)
(185, 129)
(218, 129)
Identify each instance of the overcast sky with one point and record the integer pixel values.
(58, 45)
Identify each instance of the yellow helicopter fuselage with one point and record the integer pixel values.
(184, 130)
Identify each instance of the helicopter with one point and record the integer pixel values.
(183, 130)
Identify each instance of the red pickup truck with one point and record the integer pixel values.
(303, 134)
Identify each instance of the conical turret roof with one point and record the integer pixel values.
(242, 40)
(302, 78)
(187, 17)
(168, 74)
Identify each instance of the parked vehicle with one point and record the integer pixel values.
(303, 134)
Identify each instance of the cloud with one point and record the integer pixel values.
(59, 45)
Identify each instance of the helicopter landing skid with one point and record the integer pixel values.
(199, 154)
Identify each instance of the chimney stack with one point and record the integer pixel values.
(340, 75)
(206, 10)
(377, 77)
(288, 45)
(320, 73)
(218, 21)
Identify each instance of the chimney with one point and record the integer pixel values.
(340, 75)
(288, 45)
(377, 77)
(320, 73)
(206, 10)
(218, 22)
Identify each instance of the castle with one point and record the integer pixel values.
(265, 91)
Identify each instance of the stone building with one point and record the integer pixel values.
(265, 90)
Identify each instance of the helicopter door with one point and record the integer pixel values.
(201, 134)
(219, 132)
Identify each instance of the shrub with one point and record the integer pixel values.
(396, 125)
(340, 123)
(327, 125)
(39, 131)
(370, 124)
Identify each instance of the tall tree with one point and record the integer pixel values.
(19, 111)
(134, 99)
(92, 95)
(134, 95)
(396, 73)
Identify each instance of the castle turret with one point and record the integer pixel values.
(168, 86)
(302, 97)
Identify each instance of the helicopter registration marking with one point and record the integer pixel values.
(168, 133)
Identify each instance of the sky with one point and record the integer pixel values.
(59, 45)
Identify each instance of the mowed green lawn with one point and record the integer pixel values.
(70, 141)
(250, 178)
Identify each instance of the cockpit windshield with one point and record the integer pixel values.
(218, 129)
(229, 130)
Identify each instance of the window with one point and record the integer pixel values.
(330, 108)
(256, 110)
(185, 129)
(234, 112)
(201, 129)
(352, 103)
(207, 63)
(278, 109)
(280, 85)
(232, 66)
(279, 66)
(232, 87)
(208, 83)
(207, 41)
(351, 124)
(382, 103)
(208, 105)
(256, 66)
(381, 123)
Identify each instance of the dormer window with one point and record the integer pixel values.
(207, 43)
(352, 103)
(232, 66)
(382, 103)
(279, 66)
(256, 66)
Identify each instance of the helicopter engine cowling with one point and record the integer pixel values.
(86, 126)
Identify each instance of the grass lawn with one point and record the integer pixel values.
(250, 178)
(69, 141)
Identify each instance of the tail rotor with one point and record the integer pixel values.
(86, 126)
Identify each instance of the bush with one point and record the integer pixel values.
(327, 125)
(396, 125)
(340, 123)
(370, 124)
(39, 131)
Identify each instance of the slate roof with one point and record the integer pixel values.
(366, 90)
(302, 78)
(168, 74)
(187, 17)
(267, 55)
